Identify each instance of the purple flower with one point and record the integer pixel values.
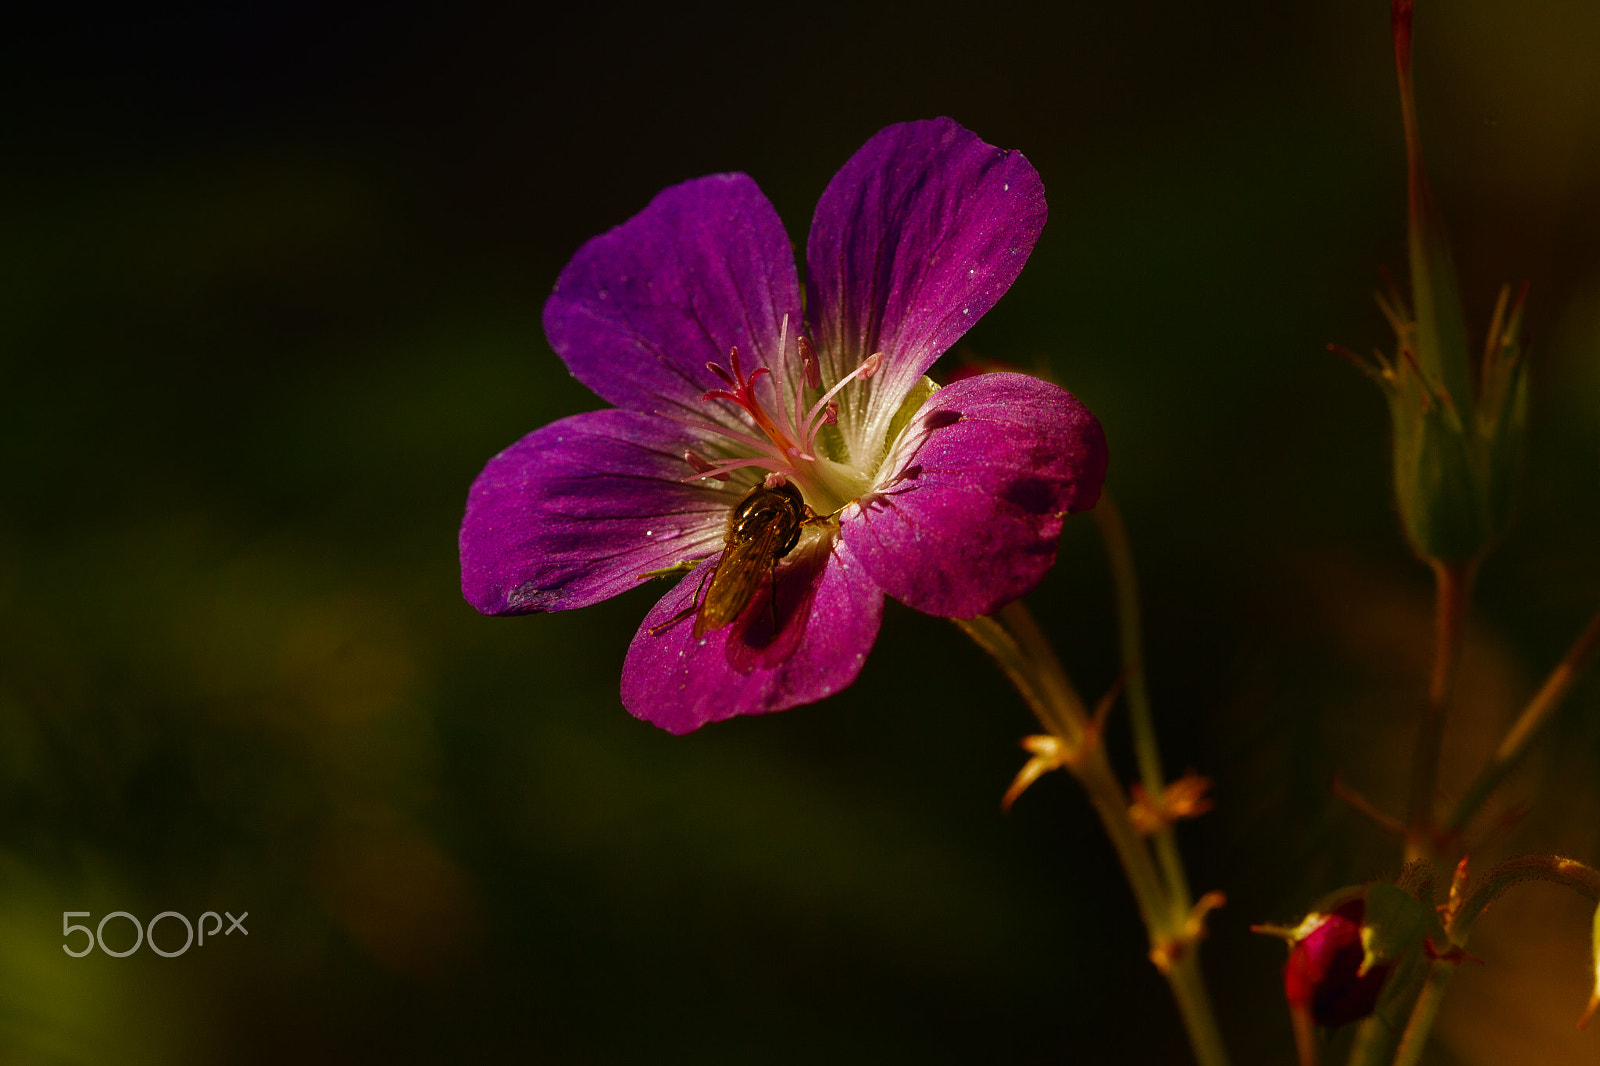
(687, 318)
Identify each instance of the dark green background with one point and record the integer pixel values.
(272, 278)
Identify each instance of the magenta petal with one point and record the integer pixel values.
(913, 240)
(640, 310)
(573, 513)
(984, 475)
(827, 618)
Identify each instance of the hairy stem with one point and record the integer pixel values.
(1533, 718)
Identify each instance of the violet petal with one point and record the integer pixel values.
(985, 472)
(914, 239)
(827, 619)
(575, 512)
(641, 309)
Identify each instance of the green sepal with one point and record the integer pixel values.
(1456, 468)
(1501, 418)
(1394, 925)
(1442, 507)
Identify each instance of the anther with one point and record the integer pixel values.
(808, 363)
(702, 466)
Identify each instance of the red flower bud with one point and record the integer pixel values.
(1323, 974)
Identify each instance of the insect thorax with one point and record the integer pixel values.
(780, 510)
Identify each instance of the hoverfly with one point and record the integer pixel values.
(762, 528)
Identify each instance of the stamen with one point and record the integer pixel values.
(785, 444)
(775, 480)
(809, 364)
(800, 382)
(702, 466)
(722, 470)
(721, 431)
(869, 366)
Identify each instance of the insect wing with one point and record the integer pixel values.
(745, 563)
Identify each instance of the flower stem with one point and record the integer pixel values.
(1415, 1038)
(1376, 1040)
(1043, 684)
(1452, 594)
(1533, 717)
(1125, 585)
(1014, 640)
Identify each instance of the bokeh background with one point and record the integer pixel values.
(270, 286)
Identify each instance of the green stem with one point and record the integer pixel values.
(1105, 792)
(1125, 585)
(1453, 592)
(1043, 684)
(1194, 1003)
(1415, 1038)
(1378, 1035)
(1534, 716)
(1016, 643)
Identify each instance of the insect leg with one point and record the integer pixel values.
(694, 604)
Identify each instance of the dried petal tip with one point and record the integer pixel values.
(1048, 754)
(1167, 953)
(1183, 798)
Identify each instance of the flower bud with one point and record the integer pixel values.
(1327, 975)
(1458, 427)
